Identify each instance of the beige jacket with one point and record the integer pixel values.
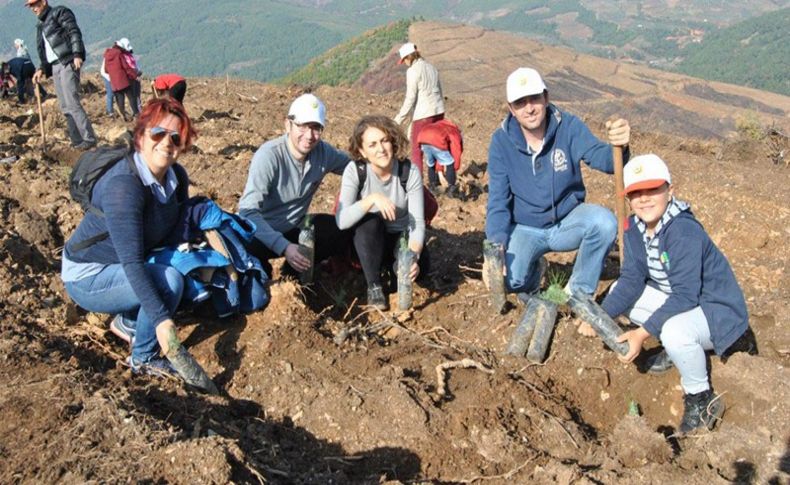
(423, 92)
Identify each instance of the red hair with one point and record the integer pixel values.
(154, 111)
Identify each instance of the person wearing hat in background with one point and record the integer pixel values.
(536, 192)
(21, 48)
(284, 175)
(423, 94)
(677, 286)
(122, 76)
(107, 87)
(170, 84)
(62, 53)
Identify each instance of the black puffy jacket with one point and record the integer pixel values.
(59, 25)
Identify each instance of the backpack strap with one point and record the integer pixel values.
(362, 174)
(404, 167)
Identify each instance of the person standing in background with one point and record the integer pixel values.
(423, 94)
(62, 53)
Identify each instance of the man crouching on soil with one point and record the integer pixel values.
(536, 192)
(285, 174)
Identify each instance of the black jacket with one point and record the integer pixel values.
(59, 25)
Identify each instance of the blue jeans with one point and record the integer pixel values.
(108, 97)
(110, 292)
(431, 155)
(589, 228)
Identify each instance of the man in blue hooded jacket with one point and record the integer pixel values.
(536, 192)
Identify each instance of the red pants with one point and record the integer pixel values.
(416, 127)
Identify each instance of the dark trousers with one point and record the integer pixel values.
(375, 248)
(449, 174)
(329, 241)
(178, 91)
(127, 93)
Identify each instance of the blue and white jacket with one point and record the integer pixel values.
(245, 295)
(542, 192)
(698, 274)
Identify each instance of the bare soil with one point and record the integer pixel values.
(318, 389)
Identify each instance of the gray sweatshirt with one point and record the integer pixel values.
(409, 204)
(280, 188)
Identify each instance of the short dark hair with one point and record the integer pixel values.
(155, 110)
(388, 126)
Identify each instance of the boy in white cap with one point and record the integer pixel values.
(536, 192)
(285, 174)
(423, 94)
(677, 286)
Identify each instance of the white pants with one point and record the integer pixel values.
(685, 337)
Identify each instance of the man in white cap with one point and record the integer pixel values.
(62, 53)
(21, 48)
(536, 192)
(285, 174)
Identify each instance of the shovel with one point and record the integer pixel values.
(41, 118)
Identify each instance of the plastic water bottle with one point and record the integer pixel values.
(405, 260)
(494, 257)
(307, 249)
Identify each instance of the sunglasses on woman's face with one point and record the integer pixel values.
(158, 134)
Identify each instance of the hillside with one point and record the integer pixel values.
(753, 53)
(269, 39)
(470, 60)
(345, 63)
(317, 389)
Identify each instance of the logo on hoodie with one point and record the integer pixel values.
(559, 160)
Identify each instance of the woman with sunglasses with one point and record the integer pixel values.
(377, 206)
(134, 207)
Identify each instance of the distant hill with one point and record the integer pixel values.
(269, 39)
(347, 62)
(472, 62)
(753, 53)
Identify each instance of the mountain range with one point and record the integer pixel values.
(267, 39)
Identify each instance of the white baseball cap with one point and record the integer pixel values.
(405, 50)
(124, 44)
(307, 108)
(523, 82)
(645, 172)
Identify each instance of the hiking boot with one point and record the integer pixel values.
(453, 192)
(190, 371)
(376, 297)
(122, 330)
(745, 343)
(156, 366)
(658, 364)
(435, 189)
(701, 410)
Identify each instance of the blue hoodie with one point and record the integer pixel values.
(540, 194)
(698, 274)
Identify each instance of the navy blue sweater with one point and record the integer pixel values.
(698, 273)
(543, 196)
(136, 223)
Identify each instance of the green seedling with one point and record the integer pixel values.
(555, 292)
(633, 408)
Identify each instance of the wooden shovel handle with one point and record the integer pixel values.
(617, 155)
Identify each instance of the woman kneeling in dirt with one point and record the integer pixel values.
(381, 197)
(137, 206)
(676, 285)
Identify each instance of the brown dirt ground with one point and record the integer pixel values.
(297, 407)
